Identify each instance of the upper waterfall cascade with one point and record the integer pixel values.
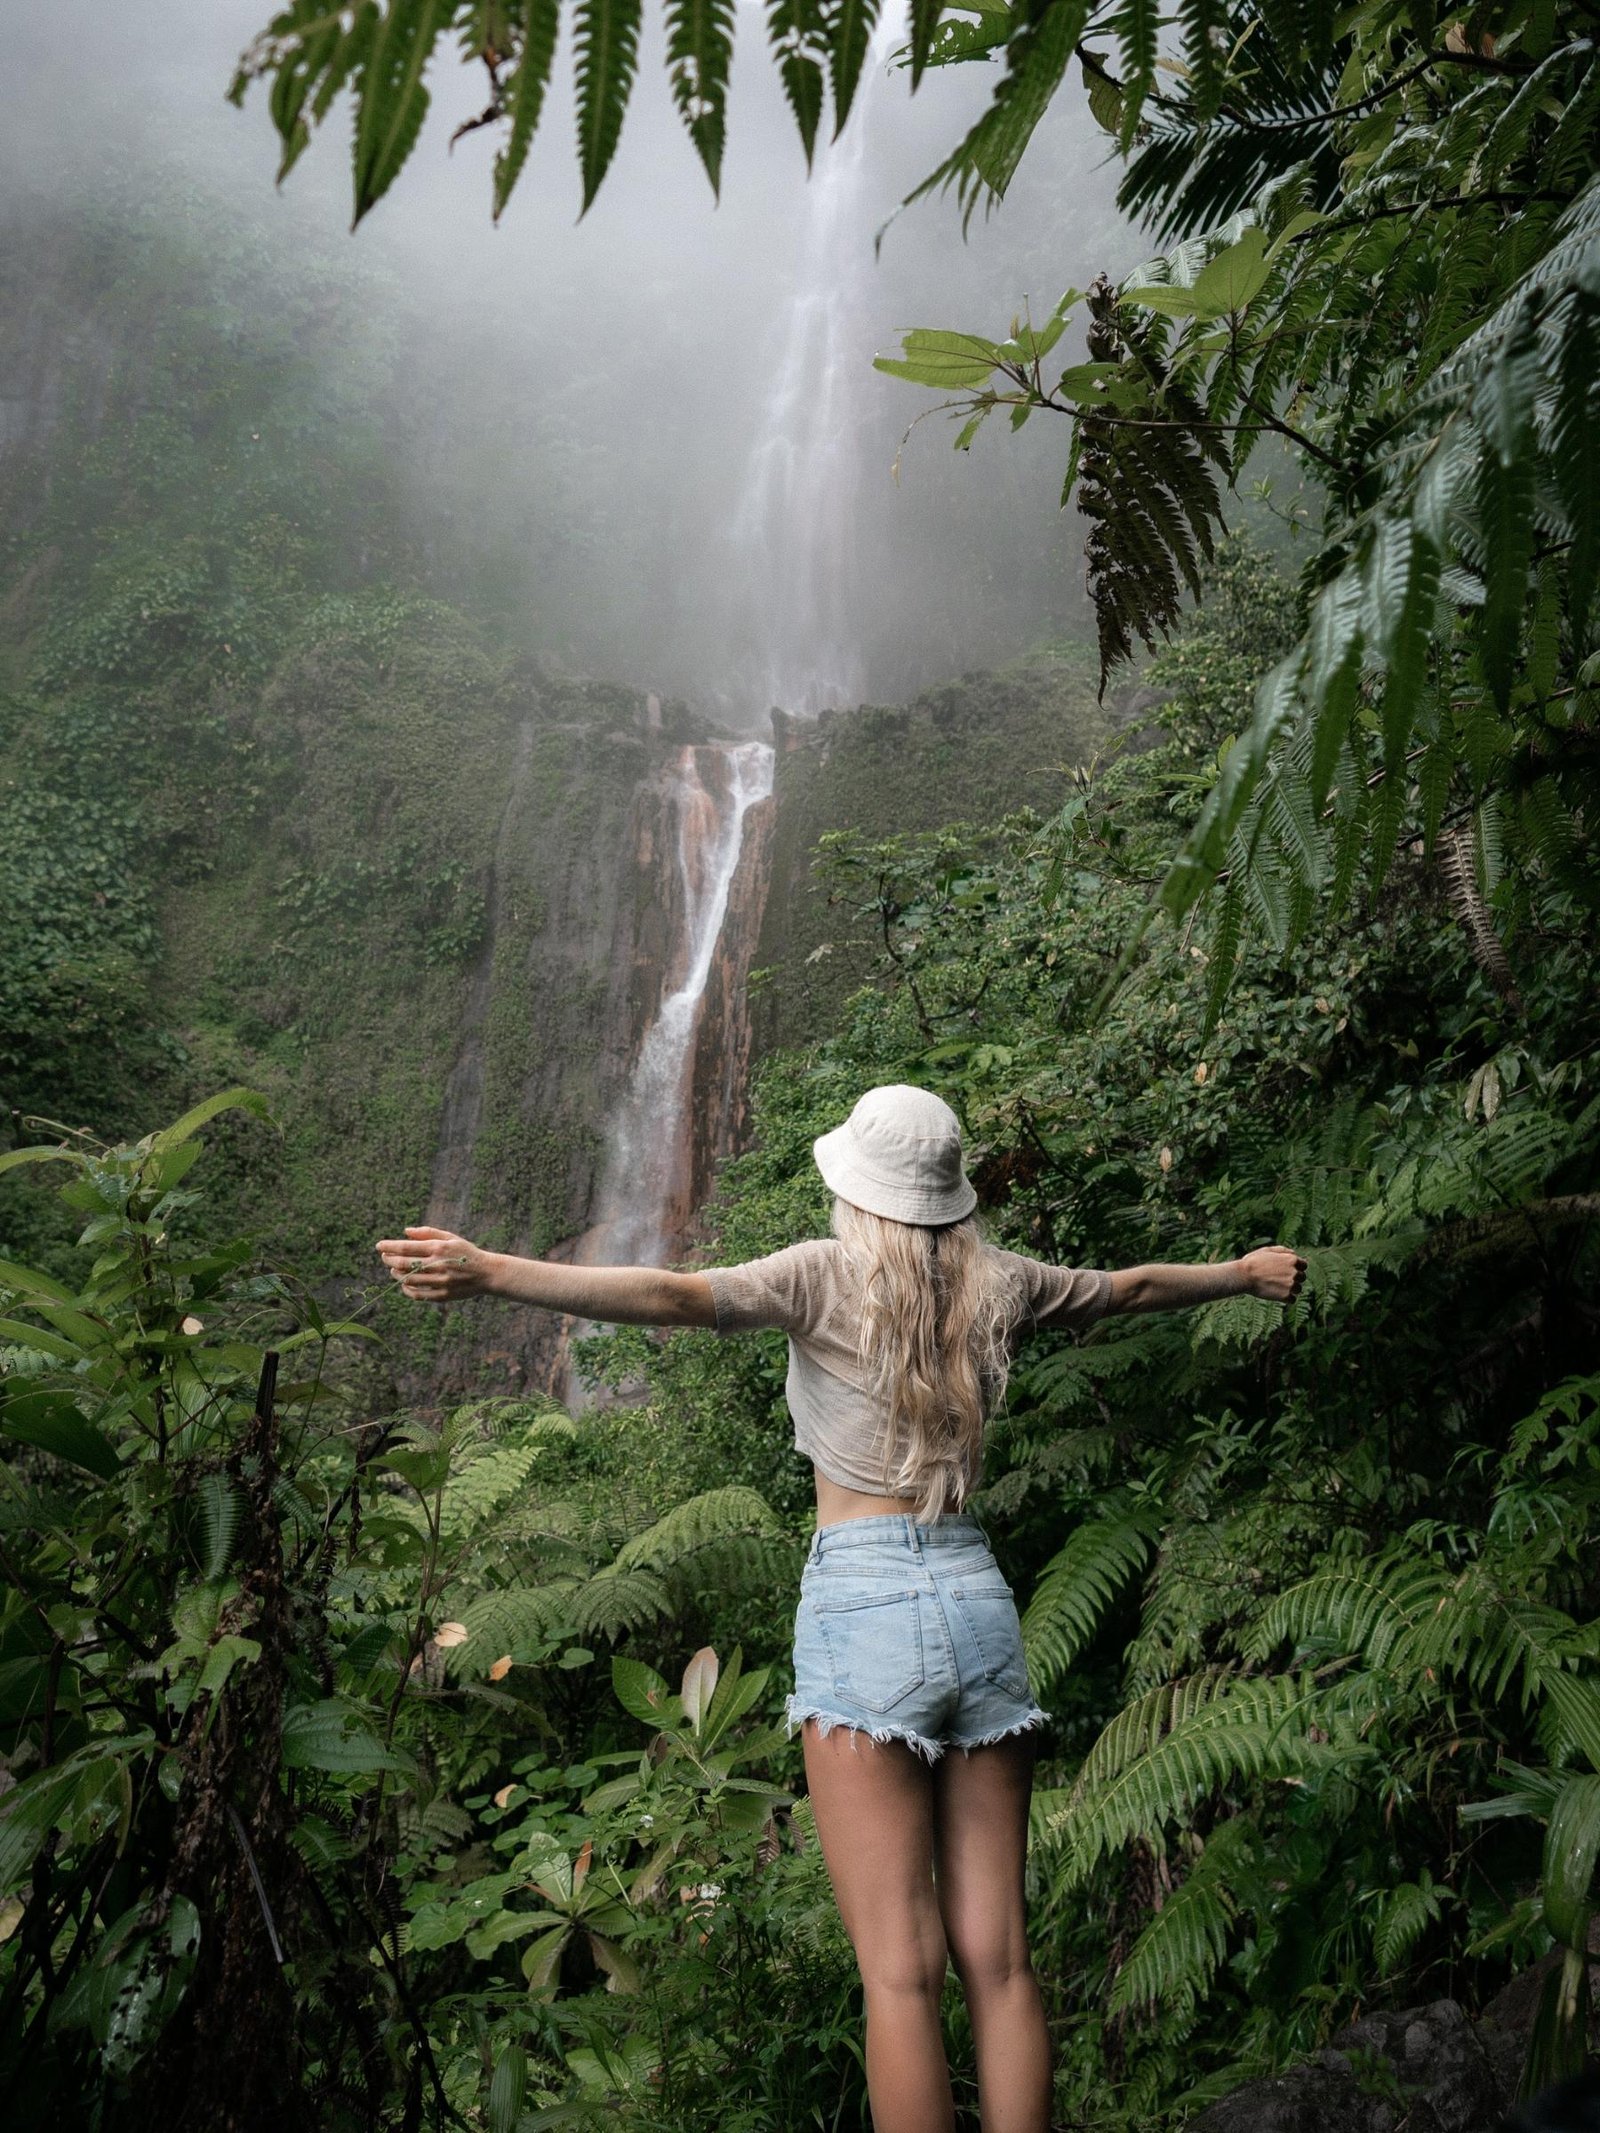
(796, 575)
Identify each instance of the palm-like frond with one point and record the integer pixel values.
(1177, 1743)
(1077, 1586)
(1177, 1953)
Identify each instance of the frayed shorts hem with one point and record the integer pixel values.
(796, 1714)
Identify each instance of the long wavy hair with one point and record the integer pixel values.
(937, 1313)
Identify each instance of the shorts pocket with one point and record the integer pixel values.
(874, 1644)
(985, 1605)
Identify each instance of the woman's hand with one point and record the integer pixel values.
(1274, 1272)
(436, 1266)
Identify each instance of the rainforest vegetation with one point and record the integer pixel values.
(373, 1760)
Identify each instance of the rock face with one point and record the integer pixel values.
(970, 751)
(1427, 2069)
(601, 1064)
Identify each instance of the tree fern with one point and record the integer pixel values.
(1177, 1743)
(716, 1515)
(1404, 1914)
(615, 1601)
(1076, 1587)
(523, 1624)
(1177, 1953)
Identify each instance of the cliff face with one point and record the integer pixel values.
(600, 1067)
(971, 751)
(617, 1031)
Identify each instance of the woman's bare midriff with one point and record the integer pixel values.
(835, 1503)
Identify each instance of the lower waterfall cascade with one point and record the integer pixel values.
(647, 1188)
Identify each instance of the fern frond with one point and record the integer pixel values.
(797, 31)
(852, 26)
(525, 95)
(1404, 1915)
(518, 1623)
(699, 60)
(1176, 1955)
(1177, 1743)
(715, 1515)
(606, 33)
(615, 1601)
(1036, 59)
(217, 1499)
(1077, 1586)
(391, 94)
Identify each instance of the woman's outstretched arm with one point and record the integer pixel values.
(436, 1266)
(1275, 1272)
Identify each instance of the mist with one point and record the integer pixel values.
(651, 441)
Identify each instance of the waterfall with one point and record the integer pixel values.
(647, 1194)
(797, 573)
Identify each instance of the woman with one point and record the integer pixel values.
(907, 1644)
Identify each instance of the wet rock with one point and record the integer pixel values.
(1427, 2068)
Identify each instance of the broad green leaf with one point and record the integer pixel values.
(40, 1338)
(1571, 1852)
(507, 2089)
(331, 1736)
(183, 1129)
(641, 1691)
(15, 1157)
(52, 1422)
(1227, 282)
(23, 1281)
(1170, 300)
(227, 1653)
(948, 361)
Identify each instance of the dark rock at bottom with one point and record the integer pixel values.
(1427, 2069)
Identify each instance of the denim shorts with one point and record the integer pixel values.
(909, 1632)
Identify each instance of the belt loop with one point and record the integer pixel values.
(913, 1536)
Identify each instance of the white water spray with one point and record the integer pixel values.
(797, 572)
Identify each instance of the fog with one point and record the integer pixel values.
(656, 429)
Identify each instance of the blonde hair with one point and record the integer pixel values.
(937, 1313)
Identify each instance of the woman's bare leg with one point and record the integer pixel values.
(980, 1842)
(874, 1807)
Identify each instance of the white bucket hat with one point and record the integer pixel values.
(899, 1154)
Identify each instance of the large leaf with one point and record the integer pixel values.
(51, 1421)
(332, 1736)
(1571, 1852)
(945, 360)
(185, 1128)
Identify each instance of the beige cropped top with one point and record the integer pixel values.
(807, 1292)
